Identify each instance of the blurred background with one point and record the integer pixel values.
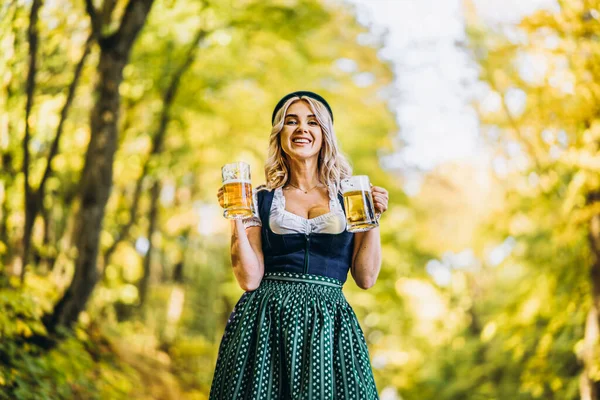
(481, 118)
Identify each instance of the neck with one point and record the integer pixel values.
(304, 173)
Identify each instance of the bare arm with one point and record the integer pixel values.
(246, 253)
(366, 256)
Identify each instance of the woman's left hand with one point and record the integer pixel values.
(380, 199)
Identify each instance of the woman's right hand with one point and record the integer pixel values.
(220, 197)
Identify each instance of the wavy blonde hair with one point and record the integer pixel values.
(332, 165)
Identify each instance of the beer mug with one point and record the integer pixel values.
(237, 191)
(358, 200)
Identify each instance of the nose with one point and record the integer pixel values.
(302, 126)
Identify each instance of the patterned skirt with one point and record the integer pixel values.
(295, 337)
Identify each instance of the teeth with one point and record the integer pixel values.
(301, 141)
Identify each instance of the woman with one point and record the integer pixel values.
(292, 335)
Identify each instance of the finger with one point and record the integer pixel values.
(220, 197)
(382, 208)
(380, 191)
(380, 198)
(381, 205)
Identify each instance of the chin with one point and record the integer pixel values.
(301, 156)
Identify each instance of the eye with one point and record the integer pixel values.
(313, 123)
(291, 122)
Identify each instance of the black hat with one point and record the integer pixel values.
(301, 93)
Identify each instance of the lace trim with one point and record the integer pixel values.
(334, 206)
(306, 278)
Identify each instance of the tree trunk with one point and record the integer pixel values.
(153, 216)
(157, 140)
(4, 236)
(590, 389)
(48, 257)
(96, 179)
(96, 182)
(35, 198)
(587, 388)
(32, 35)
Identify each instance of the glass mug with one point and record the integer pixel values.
(237, 191)
(358, 201)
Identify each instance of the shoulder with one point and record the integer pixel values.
(335, 189)
(336, 193)
(261, 191)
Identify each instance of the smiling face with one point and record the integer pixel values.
(301, 136)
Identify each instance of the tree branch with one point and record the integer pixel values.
(158, 140)
(107, 9)
(131, 23)
(32, 34)
(63, 115)
(95, 20)
(515, 126)
(173, 87)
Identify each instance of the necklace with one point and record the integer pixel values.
(302, 190)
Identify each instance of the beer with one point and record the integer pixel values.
(360, 212)
(358, 202)
(237, 191)
(237, 199)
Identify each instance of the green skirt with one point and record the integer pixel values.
(295, 337)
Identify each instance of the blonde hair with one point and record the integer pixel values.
(332, 165)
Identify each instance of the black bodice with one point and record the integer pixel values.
(321, 254)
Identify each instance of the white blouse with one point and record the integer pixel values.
(283, 222)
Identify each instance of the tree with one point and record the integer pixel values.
(549, 122)
(96, 180)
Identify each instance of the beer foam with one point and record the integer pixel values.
(237, 181)
(355, 191)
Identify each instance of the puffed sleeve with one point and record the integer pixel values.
(254, 220)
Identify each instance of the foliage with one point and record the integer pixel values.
(484, 290)
(69, 371)
(513, 255)
(250, 53)
(485, 287)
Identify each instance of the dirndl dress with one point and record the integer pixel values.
(295, 336)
